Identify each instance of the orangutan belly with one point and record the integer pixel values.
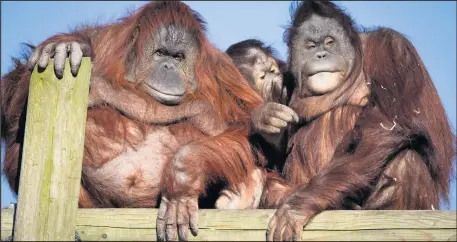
(134, 175)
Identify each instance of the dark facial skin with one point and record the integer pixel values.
(321, 56)
(262, 72)
(265, 75)
(257, 64)
(166, 65)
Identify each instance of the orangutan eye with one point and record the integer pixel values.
(179, 57)
(274, 69)
(328, 41)
(310, 44)
(161, 52)
(262, 75)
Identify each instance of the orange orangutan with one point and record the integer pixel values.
(168, 114)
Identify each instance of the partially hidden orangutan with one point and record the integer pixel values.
(263, 70)
(268, 75)
(168, 114)
(373, 133)
(261, 67)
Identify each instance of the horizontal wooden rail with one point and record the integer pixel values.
(139, 224)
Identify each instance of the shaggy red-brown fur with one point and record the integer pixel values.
(421, 146)
(380, 141)
(226, 156)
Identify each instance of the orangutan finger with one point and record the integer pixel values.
(59, 59)
(192, 208)
(276, 122)
(170, 218)
(182, 220)
(287, 114)
(46, 55)
(270, 129)
(182, 232)
(86, 49)
(297, 231)
(76, 56)
(160, 221)
(31, 62)
(287, 234)
(295, 115)
(271, 229)
(280, 111)
(280, 227)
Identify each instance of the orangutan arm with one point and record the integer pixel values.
(276, 190)
(227, 156)
(351, 171)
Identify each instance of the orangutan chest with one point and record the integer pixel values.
(314, 145)
(136, 171)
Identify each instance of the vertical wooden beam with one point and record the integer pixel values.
(52, 156)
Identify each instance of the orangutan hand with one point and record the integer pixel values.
(75, 50)
(175, 216)
(271, 118)
(287, 224)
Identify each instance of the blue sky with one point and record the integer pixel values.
(430, 26)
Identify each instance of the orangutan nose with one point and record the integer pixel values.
(321, 54)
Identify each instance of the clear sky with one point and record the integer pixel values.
(430, 26)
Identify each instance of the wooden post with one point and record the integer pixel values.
(52, 158)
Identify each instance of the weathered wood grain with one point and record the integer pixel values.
(258, 219)
(52, 157)
(139, 224)
(122, 234)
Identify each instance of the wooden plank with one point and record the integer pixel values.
(258, 219)
(52, 158)
(139, 224)
(123, 234)
(7, 222)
